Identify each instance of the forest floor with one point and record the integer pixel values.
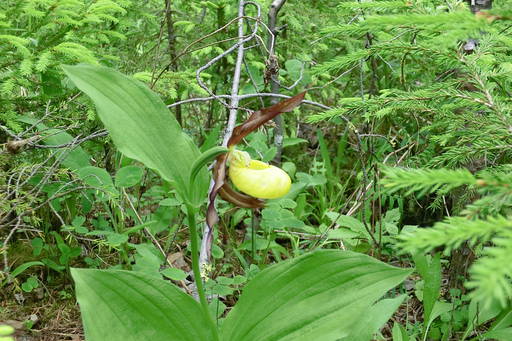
(38, 317)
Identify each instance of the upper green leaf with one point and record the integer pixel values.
(141, 126)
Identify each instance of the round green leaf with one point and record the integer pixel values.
(129, 176)
(98, 178)
(174, 274)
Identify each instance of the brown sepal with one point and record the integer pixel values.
(258, 118)
(219, 175)
(239, 199)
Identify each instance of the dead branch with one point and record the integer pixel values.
(206, 241)
(261, 94)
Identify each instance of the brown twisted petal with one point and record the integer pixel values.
(219, 174)
(260, 117)
(239, 199)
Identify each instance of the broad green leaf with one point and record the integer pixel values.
(344, 234)
(292, 141)
(121, 305)
(438, 309)
(116, 239)
(6, 330)
(211, 139)
(294, 68)
(430, 271)
(98, 178)
(374, 318)
(318, 296)
(73, 157)
(504, 334)
(129, 176)
(138, 227)
(479, 314)
(174, 273)
(203, 159)
(141, 126)
(148, 260)
(504, 320)
(347, 221)
(324, 151)
(399, 333)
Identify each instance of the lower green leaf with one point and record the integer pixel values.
(500, 334)
(374, 318)
(318, 296)
(125, 306)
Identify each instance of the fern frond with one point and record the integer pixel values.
(453, 22)
(91, 19)
(377, 5)
(425, 181)
(18, 42)
(454, 231)
(44, 61)
(76, 51)
(342, 62)
(491, 275)
(4, 23)
(101, 7)
(26, 67)
(346, 106)
(7, 86)
(31, 11)
(114, 34)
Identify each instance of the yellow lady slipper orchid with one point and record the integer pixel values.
(257, 179)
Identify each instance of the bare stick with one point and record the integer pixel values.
(240, 45)
(275, 7)
(186, 49)
(207, 239)
(261, 94)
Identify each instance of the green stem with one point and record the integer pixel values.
(254, 225)
(194, 244)
(117, 219)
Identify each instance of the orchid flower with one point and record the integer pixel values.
(257, 179)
